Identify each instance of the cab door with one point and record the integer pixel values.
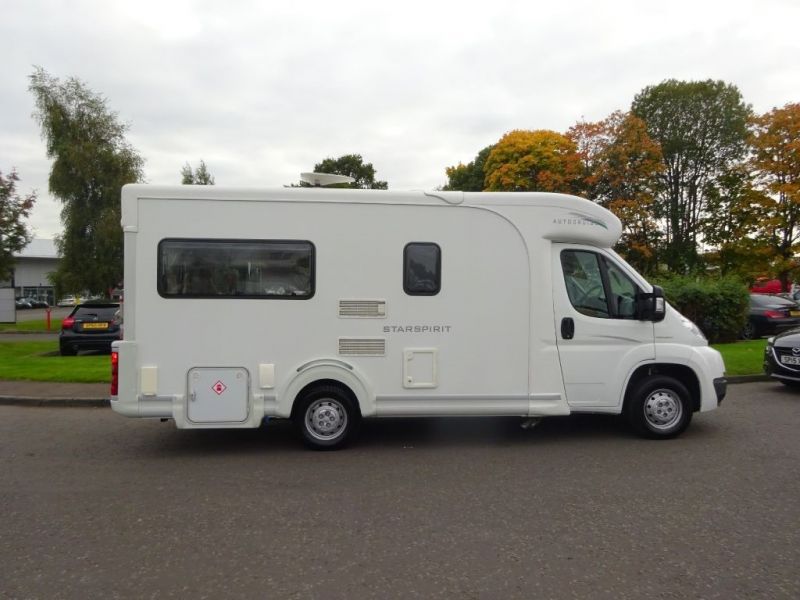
(600, 340)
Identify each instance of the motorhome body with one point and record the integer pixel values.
(329, 305)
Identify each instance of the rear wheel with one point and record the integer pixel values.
(67, 351)
(326, 416)
(749, 332)
(660, 407)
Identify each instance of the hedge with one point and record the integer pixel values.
(718, 306)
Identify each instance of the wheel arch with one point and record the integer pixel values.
(682, 373)
(326, 372)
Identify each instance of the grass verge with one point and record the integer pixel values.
(39, 361)
(36, 326)
(743, 358)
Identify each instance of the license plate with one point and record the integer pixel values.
(95, 325)
(794, 313)
(790, 360)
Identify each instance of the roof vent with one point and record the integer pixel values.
(324, 179)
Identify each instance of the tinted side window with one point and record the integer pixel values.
(422, 266)
(235, 269)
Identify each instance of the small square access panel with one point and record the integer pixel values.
(420, 368)
(218, 395)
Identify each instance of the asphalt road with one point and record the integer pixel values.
(98, 506)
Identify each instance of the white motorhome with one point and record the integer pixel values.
(327, 306)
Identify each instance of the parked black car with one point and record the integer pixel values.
(770, 314)
(90, 326)
(782, 357)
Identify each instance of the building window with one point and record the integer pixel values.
(202, 268)
(422, 269)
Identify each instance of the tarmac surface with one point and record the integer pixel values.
(95, 505)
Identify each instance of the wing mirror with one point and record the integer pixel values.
(652, 306)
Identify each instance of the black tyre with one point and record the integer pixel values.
(67, 351)
(659, 407)
(327, 417)
(749, 332)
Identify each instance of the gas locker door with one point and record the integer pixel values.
(600, 340)
(218, 395)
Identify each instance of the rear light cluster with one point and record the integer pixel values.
(67, 323)
(774, 314)
(114, 373)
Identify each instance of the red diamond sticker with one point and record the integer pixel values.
(219, 387)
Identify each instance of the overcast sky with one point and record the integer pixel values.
(263, 90)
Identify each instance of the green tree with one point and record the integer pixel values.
(735, 212)
(701, 127)
(351, 165)
(200, 176)
(91, 162)
(542, 160)
(14, 234)
(469, 177)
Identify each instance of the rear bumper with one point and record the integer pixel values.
(88, 341)
(769, 326)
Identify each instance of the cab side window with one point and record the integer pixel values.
(623, 292)
(584, 282)
(597, 287)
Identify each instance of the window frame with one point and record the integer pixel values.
(312, 270)
(438, 280)
(603, 261)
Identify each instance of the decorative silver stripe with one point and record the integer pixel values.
(453, 397)
(548, 404)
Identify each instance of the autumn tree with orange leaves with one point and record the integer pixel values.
(620, 163)
(533, 161)
(775, 164)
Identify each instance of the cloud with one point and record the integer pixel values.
(262, 91)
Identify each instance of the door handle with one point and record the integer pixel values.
(567, 328)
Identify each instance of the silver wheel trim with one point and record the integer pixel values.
(325, 419)
(663, 409)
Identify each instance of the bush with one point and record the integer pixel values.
(718, 306)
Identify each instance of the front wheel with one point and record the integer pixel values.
(660, 407)
(326, 417)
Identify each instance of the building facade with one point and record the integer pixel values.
(32, 268)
